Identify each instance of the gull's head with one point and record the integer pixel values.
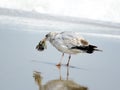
(42, 44)
(50, 35)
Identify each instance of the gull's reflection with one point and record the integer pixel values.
(38, 79)
(67, 76)
(57, 84)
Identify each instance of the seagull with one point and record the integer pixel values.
(68, 43)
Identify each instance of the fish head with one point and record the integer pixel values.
(41, 45)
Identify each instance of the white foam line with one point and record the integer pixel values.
(88, 34)
(102, 35)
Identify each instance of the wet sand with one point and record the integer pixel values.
(19, 59)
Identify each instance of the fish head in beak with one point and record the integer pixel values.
(41, 45)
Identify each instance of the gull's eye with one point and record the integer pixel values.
(46, 35)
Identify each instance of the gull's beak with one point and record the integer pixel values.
(44, 43)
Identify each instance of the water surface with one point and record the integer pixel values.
(19, 60)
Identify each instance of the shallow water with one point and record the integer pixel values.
(19, 60)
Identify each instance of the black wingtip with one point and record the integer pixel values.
(88, 49)
(92, 48)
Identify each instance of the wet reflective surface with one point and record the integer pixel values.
(57, 84)
(20, 61)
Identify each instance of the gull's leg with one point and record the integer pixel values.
(69, 59)
(59, 64)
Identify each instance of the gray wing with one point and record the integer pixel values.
(72, 39)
